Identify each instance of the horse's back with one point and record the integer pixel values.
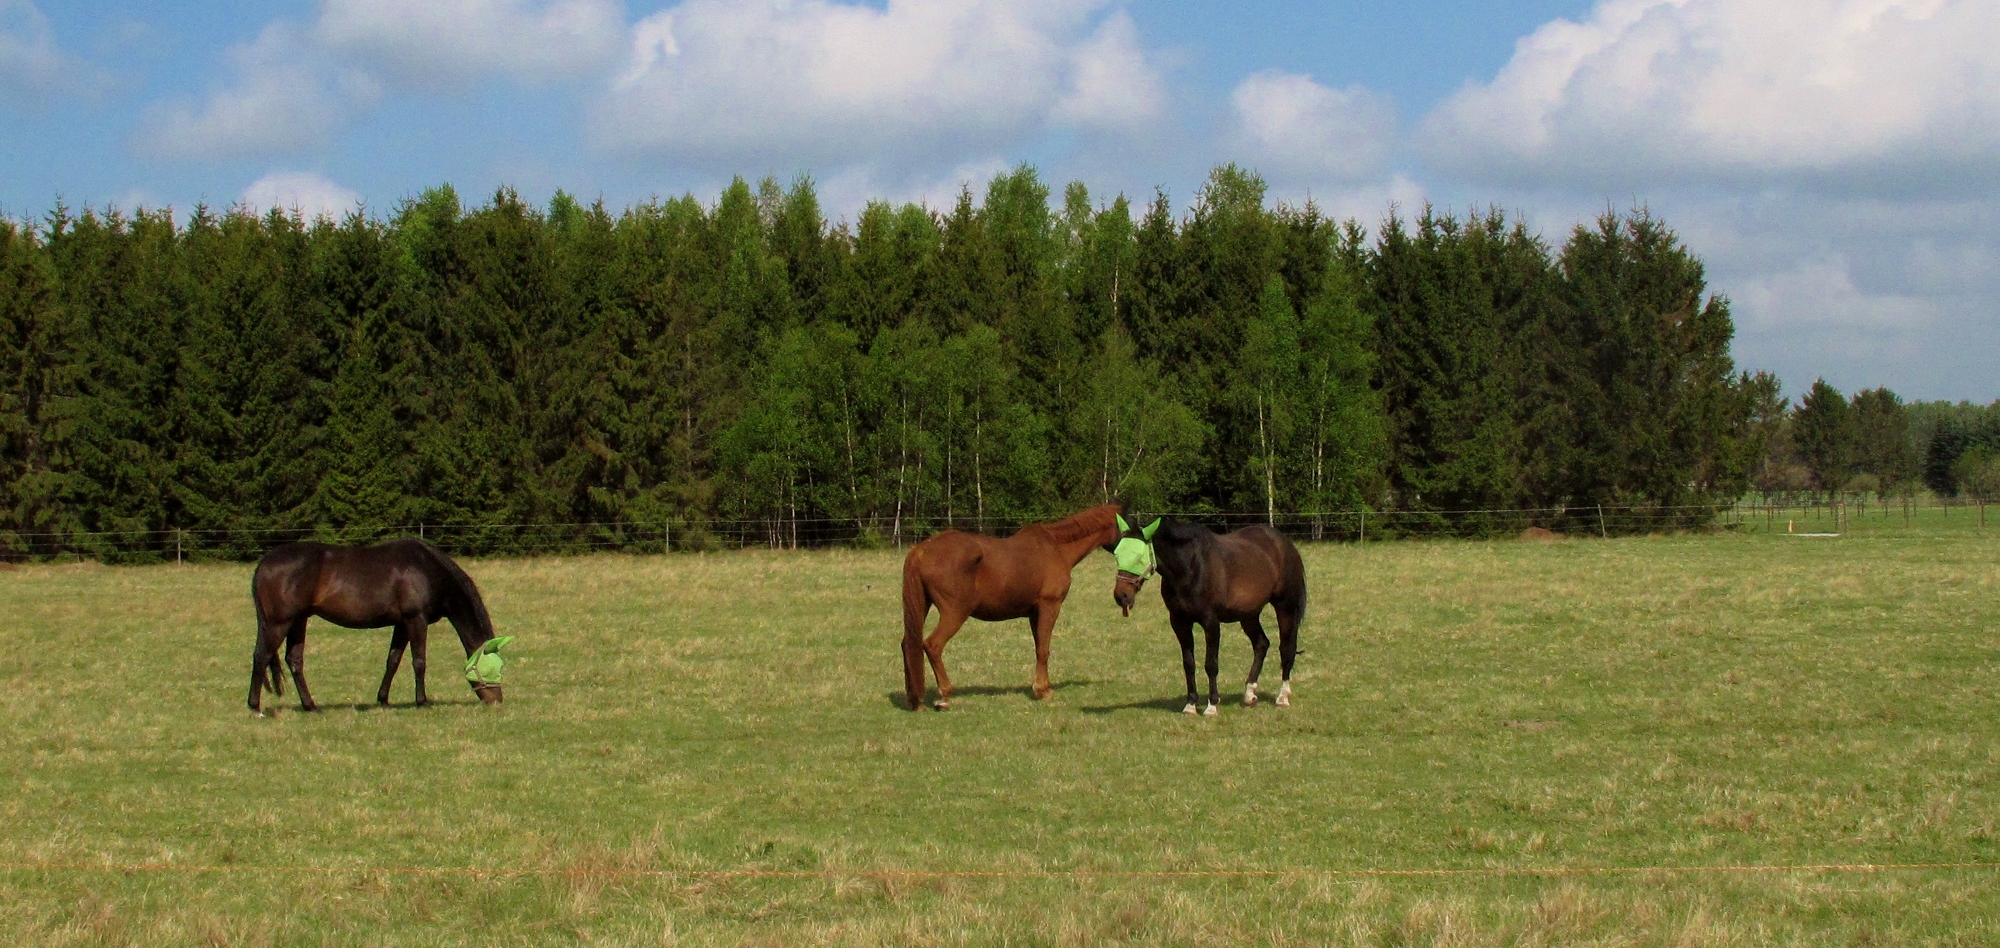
(986, 577)
(354, 586)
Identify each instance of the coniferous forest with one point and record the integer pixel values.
(689, 373)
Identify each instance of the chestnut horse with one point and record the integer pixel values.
(403, 583)
(1210, 579)
(967, 575)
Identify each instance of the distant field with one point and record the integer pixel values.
(1703, 701)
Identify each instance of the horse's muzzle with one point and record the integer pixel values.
(488, 693)
(1126, 592)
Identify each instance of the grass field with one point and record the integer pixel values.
(1699, 701)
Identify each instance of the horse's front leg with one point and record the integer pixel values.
(397, 641)
(1044, 620)
(1212, 633)
(1184, 631)
(295, 658)
(420, 635)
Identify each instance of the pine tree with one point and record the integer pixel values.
(39, 365)
(1825, 434)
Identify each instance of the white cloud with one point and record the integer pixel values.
(310, 194)
(32, 67)
(450, 41)
(1821, 295)
(1295, 130)
(814, 82)
(1112, 87)
(1858, 95)
(284, 100)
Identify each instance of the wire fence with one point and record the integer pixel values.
(1360, 525)
(693, 874)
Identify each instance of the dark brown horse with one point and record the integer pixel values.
(966, 575)
(405, 584)
(1210, 579)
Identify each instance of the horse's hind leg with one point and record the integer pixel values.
(397, 641)
(1289, 615)
(263, 662)
(419, 632)
(948, 624)
(1259, 644)
(295, 658)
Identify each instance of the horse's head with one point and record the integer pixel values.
(1134, 550)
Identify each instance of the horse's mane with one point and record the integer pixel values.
(1079, 525)
(468, 591)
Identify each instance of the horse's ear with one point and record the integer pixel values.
(1123, 527)
(1147, 531)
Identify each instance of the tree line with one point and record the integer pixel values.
(1875, 443)
(747, 369)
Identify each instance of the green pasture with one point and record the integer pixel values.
(1729, 699)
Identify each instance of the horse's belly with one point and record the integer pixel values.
(350, 620)
(1000, 613)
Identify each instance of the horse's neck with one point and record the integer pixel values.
(1074, 551)
(1179, 561)
(465, 618)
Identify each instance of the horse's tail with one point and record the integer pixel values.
(916, 608)
(1292, 610)
(264, 659)
(272, 680)
(473, 605)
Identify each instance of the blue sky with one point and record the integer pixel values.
(1834, 162)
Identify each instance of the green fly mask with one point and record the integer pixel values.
(483, 666)
(1134, 553)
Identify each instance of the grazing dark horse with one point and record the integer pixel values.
(406, 584)
(967, 575)
(1210, 579)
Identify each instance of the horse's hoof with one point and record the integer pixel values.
(942, 706)
(1042, 694)
(1210, 711)
(1285, 695)
(1250, 697)
(1191, 709)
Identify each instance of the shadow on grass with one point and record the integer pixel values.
(987, 691)
(413, 706)
(1172, 704)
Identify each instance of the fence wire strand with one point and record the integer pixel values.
(788, 532)
(1276, 873)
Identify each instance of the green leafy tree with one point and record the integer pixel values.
(1268, 385)
(1339, 409)
(1148, 443)
(1978, 475)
